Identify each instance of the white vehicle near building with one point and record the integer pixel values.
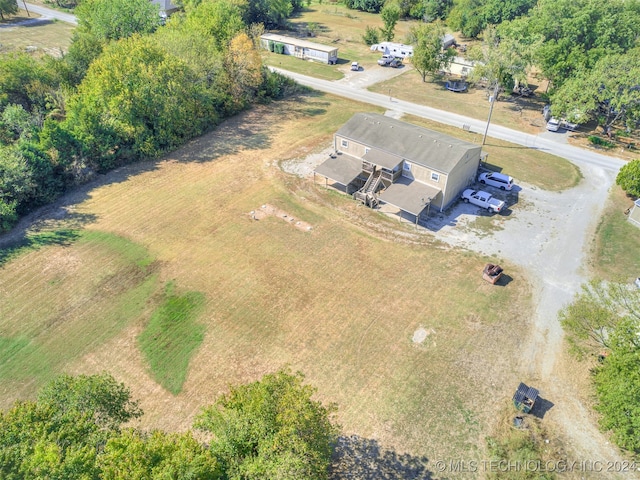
(495, 179)
(483, 200)
(553, 125)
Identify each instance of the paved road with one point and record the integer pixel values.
(574, 154)
(45, 13)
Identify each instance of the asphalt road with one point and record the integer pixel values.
(45, 13)
(574, 154)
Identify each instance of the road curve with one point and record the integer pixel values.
(45, 13)
(574, 154)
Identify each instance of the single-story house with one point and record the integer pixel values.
(380, 159)
(396, 49)
(460, 66)
(299, 48)
(634, 214)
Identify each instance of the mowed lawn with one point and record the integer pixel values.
(340, 302)
(48, 36)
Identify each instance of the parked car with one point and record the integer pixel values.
(355, 66)
(482, 199)
(390, 61)
(495, 179)
(553, 125)
(572, 127)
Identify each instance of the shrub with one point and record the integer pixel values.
(371, 35)
(600, 141)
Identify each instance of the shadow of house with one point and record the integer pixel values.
(358, 458)
(381, 160)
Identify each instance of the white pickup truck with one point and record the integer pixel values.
(482, 199)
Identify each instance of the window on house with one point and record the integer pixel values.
(344, 143)
(435, 177)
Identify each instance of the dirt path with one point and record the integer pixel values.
(547, 233)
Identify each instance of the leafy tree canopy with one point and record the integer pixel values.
(8, 7)
(137, 101)
(428, 54)
(271, 429)
(608, 93)
(577, 33)
(629, 178)
(115, 19)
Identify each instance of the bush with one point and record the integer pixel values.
(371, 35)
(600, 141)
(629, 178)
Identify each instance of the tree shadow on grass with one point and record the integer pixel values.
(358, 458)
(35, 241)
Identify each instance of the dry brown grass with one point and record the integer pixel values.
(51, 37)
(340, 303)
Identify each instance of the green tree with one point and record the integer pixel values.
(608, 93)
(390, 14)
(617, 383)
(221, 20)
(271, 429)
(629, 178)
(594, 313)
(115, 19)
(8, 7)
(371, 35)
(577, 33)
(59, 436)
(466, 17)
(137, 101)
(134, 455)
(106, 401)
(428, 54)
(431, 10)
(501, 62)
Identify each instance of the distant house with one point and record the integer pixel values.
(460, 66)
(380, 159)
(448, 41)
(396, 49)
(300, 48)
(634, 214)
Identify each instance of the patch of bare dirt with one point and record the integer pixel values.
(268, 210)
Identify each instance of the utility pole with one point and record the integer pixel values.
(25, 7)
(493, 99)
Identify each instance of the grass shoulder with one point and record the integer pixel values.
(615, 250)
(540, 169)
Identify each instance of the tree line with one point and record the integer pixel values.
(76, 428)
(127, 89)
(586, 49)
(603, 323)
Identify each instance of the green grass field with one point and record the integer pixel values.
(615, 252)
(50, 37)
(341, 302)
(172, 336)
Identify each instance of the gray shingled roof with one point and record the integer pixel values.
(343, 169)
(417, 144)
